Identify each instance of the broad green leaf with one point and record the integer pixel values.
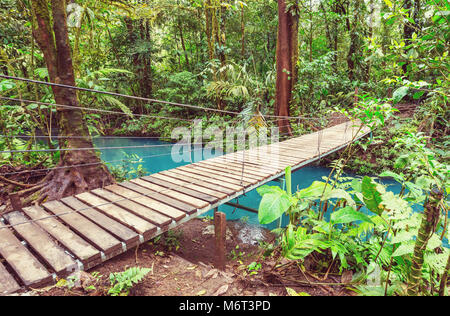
(434, 242)
(356, 185)
(372, 198)
(393, 202)
(288, 180)
(339, 194)
(347, 215)
(266, 189)
(314, 191)
(418, 95)
(400, 93)
(403, 236)
(404, 249)
(273, 206)
(399, 178)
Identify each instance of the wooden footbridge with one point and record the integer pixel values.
(40, 243)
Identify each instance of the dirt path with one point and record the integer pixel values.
(181, 263)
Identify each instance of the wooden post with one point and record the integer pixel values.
(16, 204)
(220, 229)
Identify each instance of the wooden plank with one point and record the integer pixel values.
(182, 193)
(272, 156)
(296, 152)
(257, 160)
(247, 162)
(214, 183)
(164, 199)
(261, 172)
(120, 231)
(140, 225)
(261, 160)
(162, 208)
(42, 244)
(249, 170)
(21, 260)
(8, 284)
(199, 204)
(307, 147)
(228, 179)
(175, 180)
(78, 246)
(197, 182)
(270, 160)
(84, 227)
(138, 209)
(248, 176)
(300, 151)
(238, 175)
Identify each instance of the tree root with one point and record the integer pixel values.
(63, 182)
(19, 184)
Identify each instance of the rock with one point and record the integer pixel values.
(347, 277)
(209, 230)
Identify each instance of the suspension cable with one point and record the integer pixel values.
(147, 99)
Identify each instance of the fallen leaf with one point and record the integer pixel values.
(292, 292)
(202, 292)
(212, 274)
(221, 290)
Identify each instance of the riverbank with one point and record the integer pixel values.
(181, 263)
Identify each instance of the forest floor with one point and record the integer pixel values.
(182, 261)
(182, 264)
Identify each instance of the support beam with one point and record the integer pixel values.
(16, 203)
(220, 229)
(242, 207)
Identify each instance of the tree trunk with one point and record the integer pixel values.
(286, 65)
(54, 43)
(183, 45)
(413, 8)
(429, 221)
(354, 43)
(208, 29)
(243, 32)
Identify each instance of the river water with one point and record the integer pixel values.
(156, 159)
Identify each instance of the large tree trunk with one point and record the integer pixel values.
(430, 218)
(54, 43)
(287, 54)
(354, 43)
(413, 8)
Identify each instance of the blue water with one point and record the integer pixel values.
(156, 159)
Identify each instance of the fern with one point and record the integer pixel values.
(122, 282)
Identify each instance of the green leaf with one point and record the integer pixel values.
(372, 198)
(273, 206)
(404, 249)
(418, 95)
(400, 93)
(393, 202)
(399, 178)
(388, 3)
(339, 194)
(266, 189)
(314, 191)
(348, 215)
(292, 292)
(288, 178)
